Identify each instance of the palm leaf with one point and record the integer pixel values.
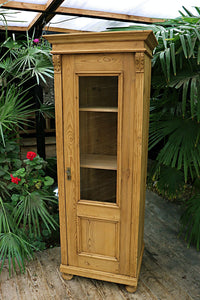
(15, 249)
(190, 221)
(164, 38)
(197, 9)
(193, 95)
(184, 95)
(198, 101)
(163, 63)
(198, 55)
(188, 12)
(168, 58)
(170, 181)
(183, 43)
(14, 109)
(182, 149)
(33, 208)
(172, 49)
(190, 45)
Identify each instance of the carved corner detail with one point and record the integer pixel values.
(139, 62)
(57, 63)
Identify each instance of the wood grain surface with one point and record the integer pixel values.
(169, 270)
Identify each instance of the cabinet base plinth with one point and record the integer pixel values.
(99, 275)
(131, 289)
(67, 276)
(130, 282)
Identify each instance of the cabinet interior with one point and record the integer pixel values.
(98, 118)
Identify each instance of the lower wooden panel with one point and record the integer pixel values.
(90, 270)
(98, 237)
(122, 279)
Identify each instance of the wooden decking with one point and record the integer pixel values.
(169, 270)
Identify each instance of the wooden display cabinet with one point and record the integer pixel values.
(102, 89)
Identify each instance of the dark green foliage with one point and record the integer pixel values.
(168, 181)
(28, 209)
(15, 249)
(190, 221)
(174, 133)
(14, 110)
(23, 59)
(176, 114)
(9, 160)
(23, 63)
(182, 147)
(12, 244)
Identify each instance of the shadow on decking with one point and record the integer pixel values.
(169, 270)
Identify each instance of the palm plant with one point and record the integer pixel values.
(13, 246)
(27, 211)
(15, 109)
(175, 104)
(175, 113)
(26, 59)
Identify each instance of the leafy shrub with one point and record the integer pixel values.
(28, 211)
(9, 160)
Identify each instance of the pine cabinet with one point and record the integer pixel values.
(102, 89)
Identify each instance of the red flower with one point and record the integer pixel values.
(15, 179)
(31, 155)
(36, 41)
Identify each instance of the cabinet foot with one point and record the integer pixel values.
(67, 276)
(131, 289)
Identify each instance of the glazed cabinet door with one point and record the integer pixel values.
(97, 205)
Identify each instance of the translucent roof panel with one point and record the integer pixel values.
(145, 8)
(142, 8)
(84, 24)
(18, 18)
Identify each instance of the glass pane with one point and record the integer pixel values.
(98, 91)
(98, 133)
(98, 99)
(98, 185)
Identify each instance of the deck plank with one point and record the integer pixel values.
(169, 270)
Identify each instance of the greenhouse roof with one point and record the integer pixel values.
(88, 15)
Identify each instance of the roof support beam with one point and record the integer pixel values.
(23, 6)
(105, 15)
(14, 28)
(50, 8)
(43, 18)
(48, 28)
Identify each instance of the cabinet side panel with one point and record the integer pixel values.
(140, 149)
(60, 154)
(136, 145)
(145, 132)
(126, 166)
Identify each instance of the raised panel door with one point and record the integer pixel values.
(93, 126)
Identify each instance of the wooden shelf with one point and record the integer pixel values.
(99, 109)
(95, 161)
